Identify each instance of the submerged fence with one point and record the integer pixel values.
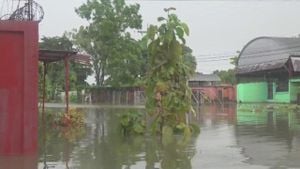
(136, 95)
(118, 96)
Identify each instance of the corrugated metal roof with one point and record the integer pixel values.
(267, 53)
(58, 55)
(205, 77)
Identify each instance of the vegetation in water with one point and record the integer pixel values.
(70, 126)
(132, 122)
(257, 108)
(167, 91)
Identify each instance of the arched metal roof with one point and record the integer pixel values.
(267, 53)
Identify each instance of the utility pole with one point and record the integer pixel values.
(30, 15)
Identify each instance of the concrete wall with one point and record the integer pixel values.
(281, 97)
(294, 87)
(252, 92)
(258, 92)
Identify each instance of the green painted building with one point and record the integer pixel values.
(268, 70)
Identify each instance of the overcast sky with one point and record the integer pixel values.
(218, 28)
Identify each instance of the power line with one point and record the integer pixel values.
(193, 0)
(214, 60)
(275, 51)
(215, 57)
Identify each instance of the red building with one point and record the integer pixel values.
(207, 88)
(18, 87)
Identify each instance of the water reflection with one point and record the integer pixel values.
(19, 162)
(104, 147)
(269, 138)
(216, 115)
(232, 136)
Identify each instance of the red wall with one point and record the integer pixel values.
(18, 87)
(19, 162)
(227, 93)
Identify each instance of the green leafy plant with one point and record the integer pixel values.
(167, 90)
(132, 122)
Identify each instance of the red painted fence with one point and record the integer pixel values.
(224, 93)
(18, 87)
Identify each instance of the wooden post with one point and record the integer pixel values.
(127, 97)
(113, 97)
(290, 68)
(44, 90)
(119, 97)
(43, 113)
(67, 82)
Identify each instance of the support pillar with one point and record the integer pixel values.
(67, 82)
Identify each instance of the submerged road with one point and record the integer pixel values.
(62, 105)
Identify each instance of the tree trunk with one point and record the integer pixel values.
(97, 77)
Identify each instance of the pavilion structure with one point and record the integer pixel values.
(50, 56)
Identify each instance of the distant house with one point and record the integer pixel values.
(208, 88)
(200, 79)
(269, 70)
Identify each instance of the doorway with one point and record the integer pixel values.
(270, 90)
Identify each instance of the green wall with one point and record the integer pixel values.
(252, 92)
(258, 92)
(294, 87)
(282, 97)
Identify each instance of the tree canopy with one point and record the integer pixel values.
(228, 76)
(116, 55)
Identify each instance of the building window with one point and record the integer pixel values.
(282, 85)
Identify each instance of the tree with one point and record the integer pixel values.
(125, 67)
(228, 76)
(115, 54)
(167, 90)
(234, 61)
(189, 59)
(56, 72)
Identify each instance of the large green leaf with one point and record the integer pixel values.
(185, 28)
(151, 32)
(159, 19)
(179, 32)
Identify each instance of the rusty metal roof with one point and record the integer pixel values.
(205, 77)
(267, 53)
(59, 55)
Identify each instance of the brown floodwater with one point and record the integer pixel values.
(232, 137)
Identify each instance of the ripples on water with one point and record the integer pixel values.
(231, 137)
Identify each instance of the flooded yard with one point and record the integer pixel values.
(232, 136)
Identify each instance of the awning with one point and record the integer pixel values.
(49, 56)
(271, 65)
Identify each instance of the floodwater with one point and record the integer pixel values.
(232, 137)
